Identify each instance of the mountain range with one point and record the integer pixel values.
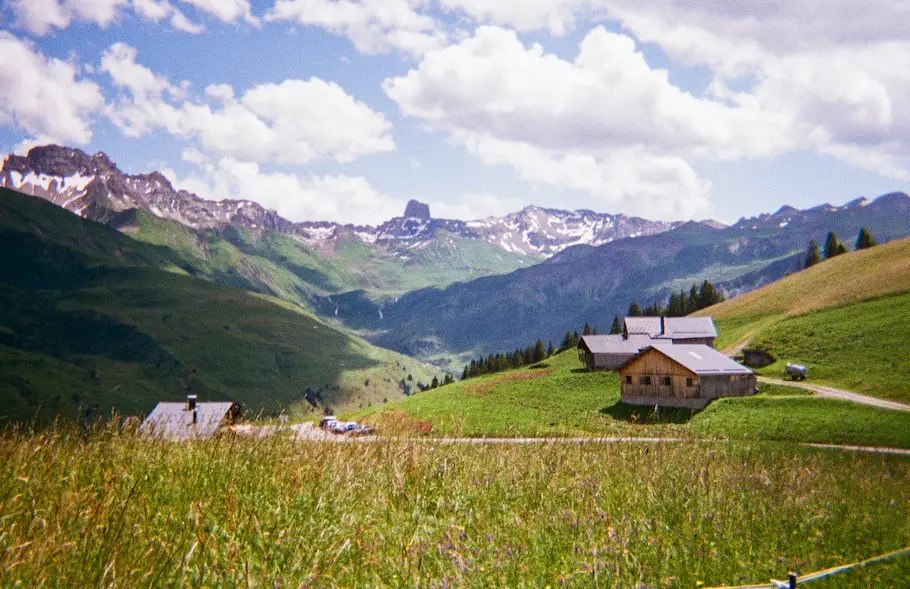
(436, 289)
(94, 187)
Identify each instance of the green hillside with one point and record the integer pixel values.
(558, 398)
(847, 319)
(90, 323)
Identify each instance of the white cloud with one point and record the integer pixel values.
(225, 10)
(475, 205)
(294, 122)
(374, 26)
(43, 96)
(157, 10)
(839, 80)
(607, 97)
(40, 16)
(630, 180)
(338, 198)
(557, 16)
(605, 124)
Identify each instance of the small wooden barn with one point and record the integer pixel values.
(609, 352)
(677, 330)
(190, 420)
(682, 375)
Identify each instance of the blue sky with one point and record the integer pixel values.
(344, 110)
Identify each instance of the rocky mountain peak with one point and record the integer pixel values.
(417, 210)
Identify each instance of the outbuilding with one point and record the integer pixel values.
(190, 420)
(682, 375)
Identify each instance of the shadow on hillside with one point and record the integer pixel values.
(648, 414)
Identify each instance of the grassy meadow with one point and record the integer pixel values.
(105, 508)
(558, 398)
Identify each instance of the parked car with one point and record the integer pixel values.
(363, 430)
(343, 427)
(327, 422)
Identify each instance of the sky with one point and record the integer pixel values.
(343, 110)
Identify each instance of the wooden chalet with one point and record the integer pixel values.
(609, 352)
(682, 375)
(677, 330)
(190, 420)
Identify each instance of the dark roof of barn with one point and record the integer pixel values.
(699, 358)
(172, 421)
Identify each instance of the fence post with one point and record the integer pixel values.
(792, 578)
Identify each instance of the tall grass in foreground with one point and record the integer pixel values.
(105, 508)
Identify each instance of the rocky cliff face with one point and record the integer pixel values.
(93, 187)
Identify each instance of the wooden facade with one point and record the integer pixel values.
(653, 378)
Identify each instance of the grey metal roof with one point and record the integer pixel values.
(672, 327)
(609, 344)
(700, 359)
(643, 325)
(689, 327)
(172, 421)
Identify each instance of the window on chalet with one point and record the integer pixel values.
(665, 381)
(645, 380)
(688, 382)
(628, 380)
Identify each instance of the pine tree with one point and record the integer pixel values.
(676, 306)
(616, 328)
(540, 352)
(566, 342)
(830, 245)
(449, 379)
(841, 248)
(865, 240)
(634, 310)
(587, 329)
(708, 295)
(435, 383)
(550, 350)
(814, 255)
(466, 373)
(692, 300)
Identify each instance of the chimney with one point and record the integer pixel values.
(191, 404)
(663, 325)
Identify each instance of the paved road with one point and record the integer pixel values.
(833, 393)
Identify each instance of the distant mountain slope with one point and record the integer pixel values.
(90, 323)
(93, 187)
(585, 284)
(847, 318)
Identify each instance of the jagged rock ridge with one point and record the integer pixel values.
(95, 188)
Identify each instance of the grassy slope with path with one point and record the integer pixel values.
(560, 399)
(847, 318)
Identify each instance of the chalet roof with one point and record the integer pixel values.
(699, 358)
(611, 344)
(672, 327)
(172, 421)
(643, 325)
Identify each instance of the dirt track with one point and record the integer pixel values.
(832, 393)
